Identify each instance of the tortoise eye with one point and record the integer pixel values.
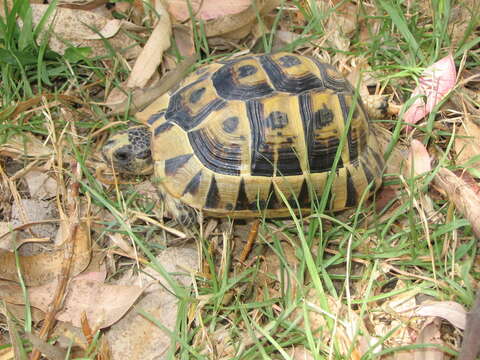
(121, 155)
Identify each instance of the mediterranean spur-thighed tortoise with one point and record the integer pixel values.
(236, 134)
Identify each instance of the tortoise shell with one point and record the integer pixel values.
(248, 134)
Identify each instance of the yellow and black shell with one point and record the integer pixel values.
(235, 135)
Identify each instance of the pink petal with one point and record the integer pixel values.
(436, 81)
(418, 160)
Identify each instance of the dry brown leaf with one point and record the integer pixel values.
(230, 23)
(469, 179)
(72, 27)
(52, 352)
(43, 268)
(205, 9)
(9, 242)
(467, 144)
(118, 240)
(463, 196)
(430, 334)
(104, 304)
(135, 337)
(25, 145)
(419, 161)
(111, 28)
(451, 311)
(282, 38)
(300, 353)
(141, 98)
(397, 161)
(152, 53)
(40, 185)
(184, 39)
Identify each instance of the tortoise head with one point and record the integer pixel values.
(129, 151)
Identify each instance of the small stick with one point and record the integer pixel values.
(252, 236)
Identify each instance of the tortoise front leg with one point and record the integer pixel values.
(175, 209)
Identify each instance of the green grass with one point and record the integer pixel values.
(346, 267)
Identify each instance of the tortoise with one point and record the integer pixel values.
(253, 136)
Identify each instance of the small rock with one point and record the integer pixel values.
(35, 210)
(40, 185)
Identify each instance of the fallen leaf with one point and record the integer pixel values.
(134, 336)
(40, 185)
(52, 352)
(42, 268)
(470, 345)
(463, 196)
(205, 9)
(230, 23)
(26, 146)
(10, 242)
(467, 144)
(111, 28)
(184, 39)
(419, 161)
(451, 311)
(430, 334)
(434, 83)
(142, 97)
(300, 353)
(152, 53)
(103, 303)
(73, 27)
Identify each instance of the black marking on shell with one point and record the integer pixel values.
(162, 128)
(246, 70)
(213, 196)
(304, 195)
(289, 61)
(242, 198)
(323, 117)
(321, 153)
(179, 112)
(196, 95)
(336, 84)
(287, 161)
(174, 164)
(272, 200)
(214, 154)
(228, 88)
(368, 172)
(277, 120)
(230, 124)
(283, 82)
(262, 154)
(155, 117)
(378, 159)
(229, 206)
(351, 200)
(194, 184)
